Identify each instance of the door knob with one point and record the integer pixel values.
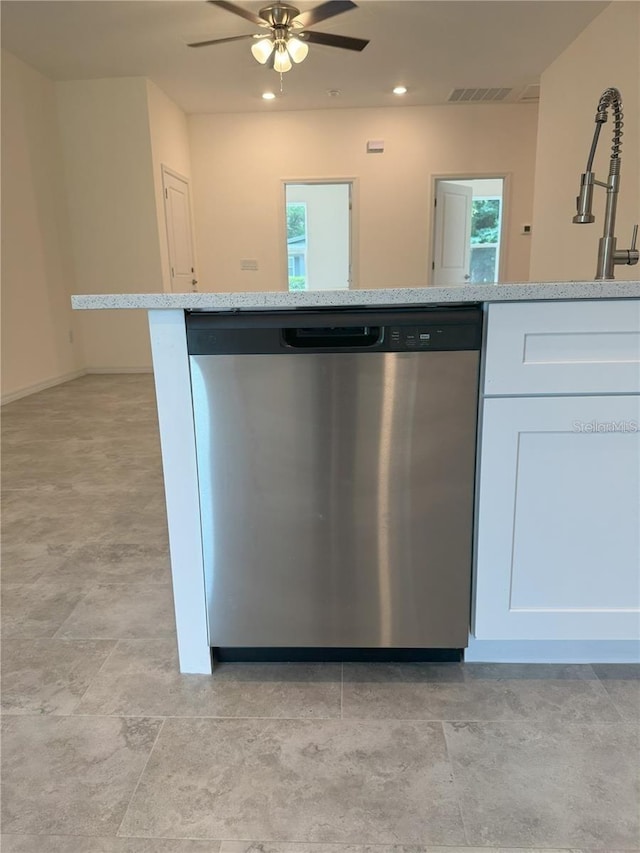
(467, 277)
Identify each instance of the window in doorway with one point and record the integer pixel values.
(318, 233)
(297, 244)
(485, 239)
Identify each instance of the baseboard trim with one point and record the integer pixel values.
(41, 386)
(552, 651)
(67, 377)
(119, 370)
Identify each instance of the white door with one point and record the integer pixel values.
(558, 543)
(452, 234)
(179, 236)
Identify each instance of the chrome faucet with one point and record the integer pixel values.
(608, 255)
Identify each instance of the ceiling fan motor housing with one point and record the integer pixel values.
(279, 14)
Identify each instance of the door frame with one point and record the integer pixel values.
(353, 225)
(505, 177)
(167, 170)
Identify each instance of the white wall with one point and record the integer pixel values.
(607, 53)
(239, 161)
(110, 183)
(169, 147)
(37, 262)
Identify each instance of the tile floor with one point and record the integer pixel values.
(107, 749)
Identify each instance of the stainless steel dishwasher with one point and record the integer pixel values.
(336, 460)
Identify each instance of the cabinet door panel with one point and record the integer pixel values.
(558, 546)
(563, 348)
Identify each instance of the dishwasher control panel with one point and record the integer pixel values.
(303, 332)
(437, 337)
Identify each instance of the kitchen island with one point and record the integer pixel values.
(557, 534)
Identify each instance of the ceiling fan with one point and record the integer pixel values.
(288, 38)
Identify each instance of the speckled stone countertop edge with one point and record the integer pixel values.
(251, 300)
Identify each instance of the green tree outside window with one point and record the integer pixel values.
(485, 220)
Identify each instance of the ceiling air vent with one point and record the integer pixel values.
(460, 96)
(530, 93)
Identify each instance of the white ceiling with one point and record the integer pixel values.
(431, 47)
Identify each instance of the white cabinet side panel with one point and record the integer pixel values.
(558, 544)
(175, 414)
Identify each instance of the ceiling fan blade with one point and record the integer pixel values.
(332, 40)
(238, 10)
(217, 41)
(324, 11)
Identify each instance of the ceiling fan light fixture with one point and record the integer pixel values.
(282, 62)
(262, 50)
(297, 49)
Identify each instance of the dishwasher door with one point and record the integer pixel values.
(337, 497)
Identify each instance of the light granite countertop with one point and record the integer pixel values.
(252, 300)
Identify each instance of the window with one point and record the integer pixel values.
(485, 239)
(297, 244)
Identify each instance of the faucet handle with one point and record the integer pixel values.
(633, 255)
(628, 256)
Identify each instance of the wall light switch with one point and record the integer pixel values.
(375, 146)
(526, 229)
(248, 264)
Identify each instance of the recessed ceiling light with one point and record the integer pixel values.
(400, 90)
(333, 93)
(268, 96)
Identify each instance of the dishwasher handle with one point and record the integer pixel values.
(332, 337)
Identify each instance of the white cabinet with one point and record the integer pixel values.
(558, 507)
(563, 348)
(558, 546)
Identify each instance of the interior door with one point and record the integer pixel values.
(179, 235)
(452, 234)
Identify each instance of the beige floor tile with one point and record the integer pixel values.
(474, 692)
(77, 844)
(36, 610)
(82, 514)
(27, 563)
(528, 784)
(271, 847)
(275, 847)
(142, 677)
(622, 683)
(298, 781)
(112, 562)
(122, 611)
(60, 516)
(71, 775)
(80, 844)
(625, 695)
(49, 676)
(146, 523)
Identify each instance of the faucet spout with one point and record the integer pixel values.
(608, 256)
